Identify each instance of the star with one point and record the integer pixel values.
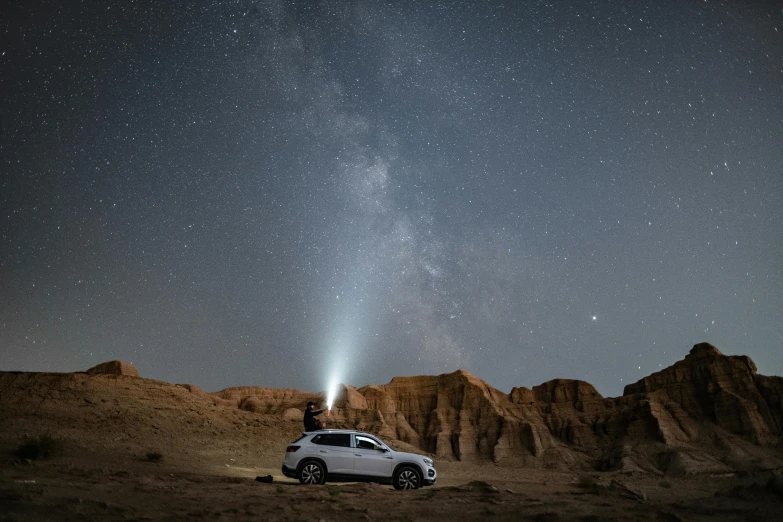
(377, 188)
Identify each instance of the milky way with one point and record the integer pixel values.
(272, 193)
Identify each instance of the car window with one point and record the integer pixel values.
(363, 441)
(333, 439)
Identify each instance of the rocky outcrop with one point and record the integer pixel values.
(709, 387)
(706, 413)
(264, 400)
(192, 388)
(114, 368)
(565, 390)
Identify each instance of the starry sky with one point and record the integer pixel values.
(282, 193)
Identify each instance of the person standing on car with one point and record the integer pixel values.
(310, 423)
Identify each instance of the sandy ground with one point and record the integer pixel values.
(212, 454)
(105, 486)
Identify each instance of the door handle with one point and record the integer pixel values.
(357, 454)
(323, 451)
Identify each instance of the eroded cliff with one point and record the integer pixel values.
(708, 412)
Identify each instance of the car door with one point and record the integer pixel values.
(335, 449)
(370, 457)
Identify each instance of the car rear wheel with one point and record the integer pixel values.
(407, 477)
(312, 472)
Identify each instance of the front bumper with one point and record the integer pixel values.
(431, 477)
(288, 472)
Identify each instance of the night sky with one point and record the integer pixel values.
(280, 193)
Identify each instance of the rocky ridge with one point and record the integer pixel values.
(706, 413)
(114, 368)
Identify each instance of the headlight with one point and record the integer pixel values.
(428, 461)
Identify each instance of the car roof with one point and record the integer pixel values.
(336, 431)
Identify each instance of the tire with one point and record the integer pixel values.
(407, 477)
(312, 472)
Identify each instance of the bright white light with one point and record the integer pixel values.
(331, 392)
(340, 344)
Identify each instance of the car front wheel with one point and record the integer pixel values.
(407, 477)
(312, 472)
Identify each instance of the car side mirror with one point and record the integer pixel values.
(384, 450)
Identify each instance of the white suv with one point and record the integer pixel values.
(347, 455)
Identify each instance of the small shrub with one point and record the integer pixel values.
(154, 456)
(665, 484)
(43, 447)
(334, 492)
(586, 482)
(279, 488)
(429, 494)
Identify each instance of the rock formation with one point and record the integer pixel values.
(114, 368)
(709, 386)
(708, 412)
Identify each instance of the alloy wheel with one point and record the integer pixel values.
(408, 479)
(311, 474)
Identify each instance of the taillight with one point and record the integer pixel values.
(291, 449)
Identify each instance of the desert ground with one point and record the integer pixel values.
(108, 428)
